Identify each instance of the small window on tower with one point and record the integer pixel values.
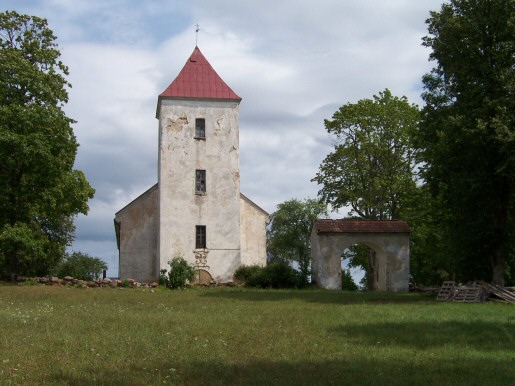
(200, 236)
(200, 181)
(200, 128)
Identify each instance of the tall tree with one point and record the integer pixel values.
(40, 192)
(467, 133)
(372, 166)
(290, 232)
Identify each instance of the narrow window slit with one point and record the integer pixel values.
(200, 181)
(200, 237)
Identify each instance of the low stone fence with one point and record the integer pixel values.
(70, 281)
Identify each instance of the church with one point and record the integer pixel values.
(196, 210)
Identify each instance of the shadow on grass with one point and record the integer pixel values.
(316, 296)
(436, 371)
(475, 335)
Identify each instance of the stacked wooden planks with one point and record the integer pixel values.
(477, 292)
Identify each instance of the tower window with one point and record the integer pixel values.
(200, 128)
(200, 236)
(200, 181)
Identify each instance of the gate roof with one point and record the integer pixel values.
(361, 226)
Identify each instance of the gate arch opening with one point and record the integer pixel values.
(361, 262)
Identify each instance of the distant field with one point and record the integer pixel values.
(222, 336)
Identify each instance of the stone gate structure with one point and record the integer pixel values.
(389, 240)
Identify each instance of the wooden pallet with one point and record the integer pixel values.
(446, 291)
(500, 292)
(475, 293)
(469, 295)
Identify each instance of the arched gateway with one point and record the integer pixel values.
(389, 240)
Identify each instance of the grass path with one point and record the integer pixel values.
(221, 336)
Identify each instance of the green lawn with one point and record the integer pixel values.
(223, 336)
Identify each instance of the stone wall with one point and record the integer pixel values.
(97, 283)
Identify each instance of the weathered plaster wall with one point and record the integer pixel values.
(180, 209)
(392, 256)
(138, 238)
(253, 221)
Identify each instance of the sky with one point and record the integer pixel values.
(293, 62)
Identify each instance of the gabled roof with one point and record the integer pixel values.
(361, 226)
(142, 195)
(197, 80)
(245, 198)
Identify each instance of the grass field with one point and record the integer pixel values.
(222, 336)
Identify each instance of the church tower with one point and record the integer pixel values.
(199, 171)
(196, 210)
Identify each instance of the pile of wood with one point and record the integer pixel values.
(476, 292)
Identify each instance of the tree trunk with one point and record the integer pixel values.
(499, 260)
(372, 270)
(500, 252)
(13, 266)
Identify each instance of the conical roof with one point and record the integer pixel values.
(199, 80)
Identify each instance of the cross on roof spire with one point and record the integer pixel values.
(196, 34)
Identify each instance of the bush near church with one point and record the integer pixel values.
(274, 275)
(81, 266)
(180, 274)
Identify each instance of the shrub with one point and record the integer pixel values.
(259, 278)
(31, 282)
(282, 275)
(275, 275)
(81, 266)
(180, 274)
(244, 272)
(125, 283)
(163, 277)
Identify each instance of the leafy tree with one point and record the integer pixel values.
(290, 231)
(81, 266)
(372, 166)
(363, 257)
(429, 258)
(467, 134)
(347, 281)
(40, 192)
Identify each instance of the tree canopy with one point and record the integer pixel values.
(372, 166)
(290, 232)
(467, 135)
(40, 192)
(80, 266)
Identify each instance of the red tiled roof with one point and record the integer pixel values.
(361, 226)
(198, 79)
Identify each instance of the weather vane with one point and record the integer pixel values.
(196, 34)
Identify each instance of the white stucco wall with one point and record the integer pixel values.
(138, 238)
(180, 209)
(253, 222)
